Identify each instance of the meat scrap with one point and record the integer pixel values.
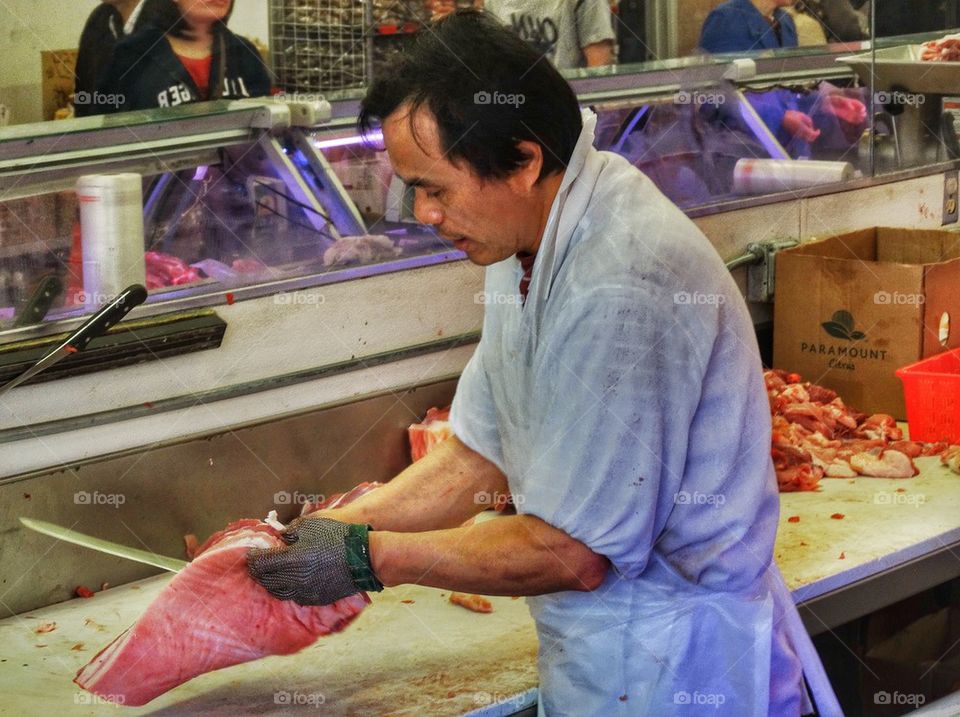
(45, 627)
(210, 616)
(476, 603)
(166, 270)
(815, 436)
(951, 458)
(434, 429)
(946, 49)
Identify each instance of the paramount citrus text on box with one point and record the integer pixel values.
(852, 309)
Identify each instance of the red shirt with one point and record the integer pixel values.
(526, 263)
(200, 72)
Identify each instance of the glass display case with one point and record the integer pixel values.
(245, 199)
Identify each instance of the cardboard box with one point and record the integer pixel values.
(852, 309)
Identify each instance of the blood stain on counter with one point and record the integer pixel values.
(45, 628)
(838, 516)
(408, 602)
(79, 647)
(843, 556)
(793, 519)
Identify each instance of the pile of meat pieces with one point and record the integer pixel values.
(946, 49)
(815, 435)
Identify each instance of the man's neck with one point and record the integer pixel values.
(549, 188)
(766, 7)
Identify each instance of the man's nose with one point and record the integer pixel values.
(426, 211)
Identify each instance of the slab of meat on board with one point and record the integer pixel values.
(212, 615)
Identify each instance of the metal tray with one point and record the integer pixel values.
(901, 67)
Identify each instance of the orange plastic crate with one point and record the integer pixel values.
(932, 391)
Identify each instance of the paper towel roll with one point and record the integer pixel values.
(111, 227)
(757, 176)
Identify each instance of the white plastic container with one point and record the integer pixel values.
(111, 228)
(759, 176)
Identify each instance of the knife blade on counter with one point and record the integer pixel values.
(110, 314)
(104, 546)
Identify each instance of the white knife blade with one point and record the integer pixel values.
(104, 546)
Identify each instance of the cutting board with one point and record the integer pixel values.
(882, 518)
(410, 653)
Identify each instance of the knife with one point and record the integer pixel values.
(47, 290)
(105, 546)
(110, 314)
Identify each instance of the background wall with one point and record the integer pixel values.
(29, 27)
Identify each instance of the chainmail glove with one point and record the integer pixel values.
(324, 561)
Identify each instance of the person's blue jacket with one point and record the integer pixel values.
(737, 26)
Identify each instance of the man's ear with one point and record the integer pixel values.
(527, 175)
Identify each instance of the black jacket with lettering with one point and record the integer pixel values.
(145, 73)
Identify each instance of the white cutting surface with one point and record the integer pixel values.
(419, 658)
(427, 657)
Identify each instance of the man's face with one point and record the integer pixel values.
(488, 220)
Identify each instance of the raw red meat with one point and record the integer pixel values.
(946, 49)
(165, 270)
(212, 615)
(434, 429)
(815, 435)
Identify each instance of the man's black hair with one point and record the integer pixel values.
(487, 89)
(165, 15)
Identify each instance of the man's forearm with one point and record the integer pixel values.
(514, 555)
(438, 491)
(599, 54)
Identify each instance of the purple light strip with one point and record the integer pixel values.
(370, 139)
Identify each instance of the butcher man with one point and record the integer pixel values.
(616, 395)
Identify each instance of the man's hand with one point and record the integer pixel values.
(846, 109)
(324, 561)
(800, 126)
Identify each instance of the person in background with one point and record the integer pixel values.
(748, 26)
(570, 33)
(108, 24)
(838, 20)
(186, 54)
(754, 25)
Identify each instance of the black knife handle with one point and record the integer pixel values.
(109, 315)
